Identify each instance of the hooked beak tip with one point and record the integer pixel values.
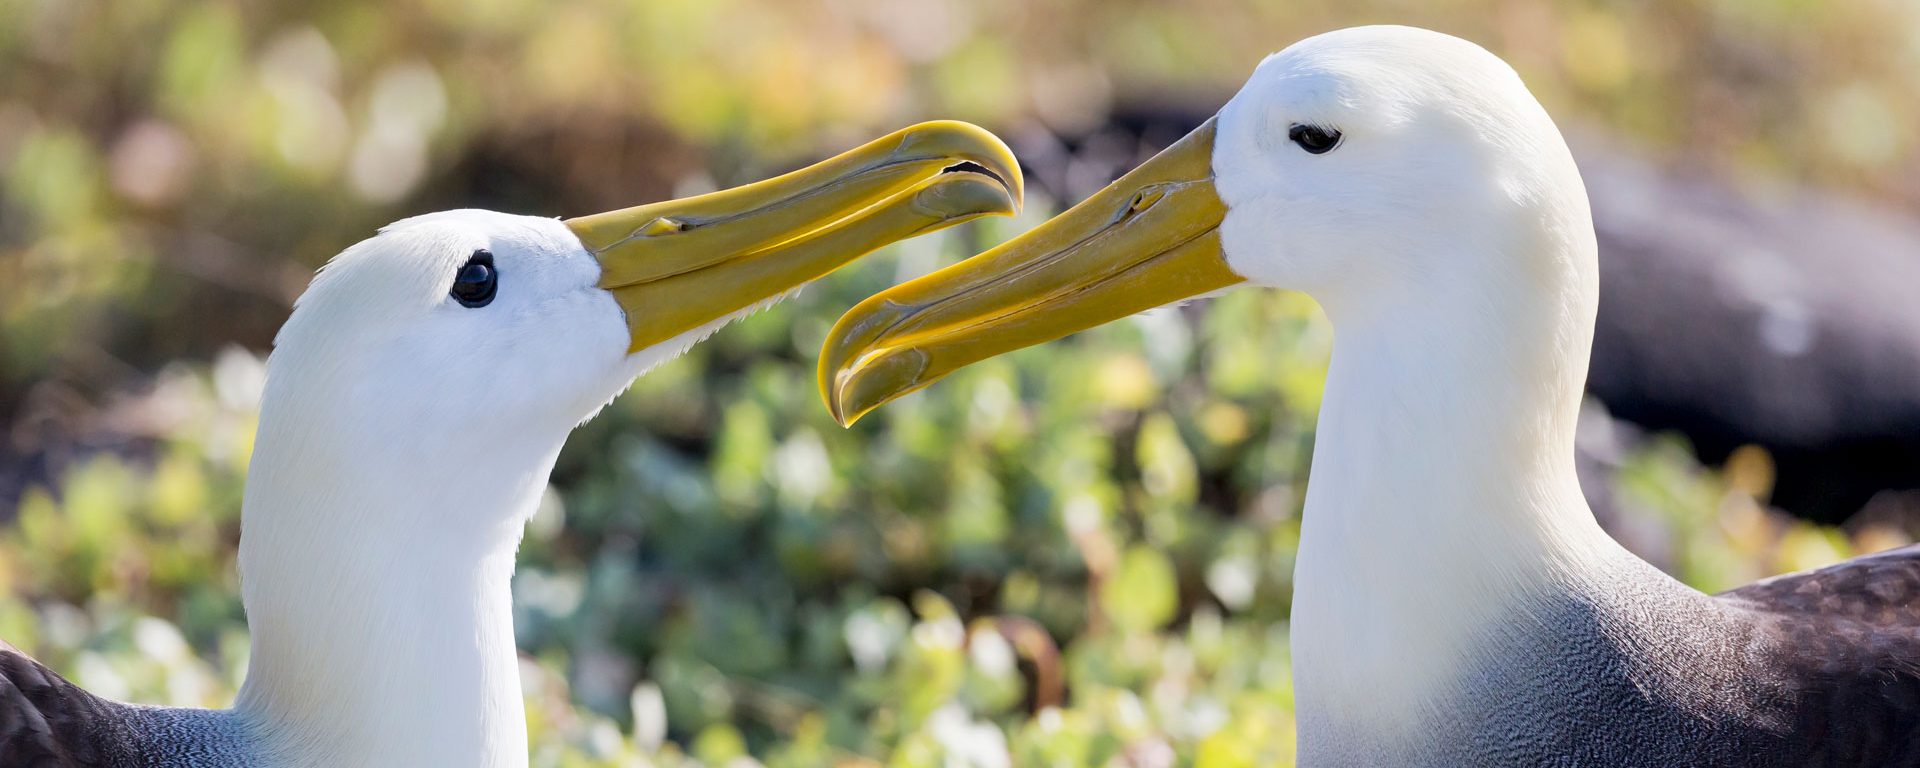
(875, 379)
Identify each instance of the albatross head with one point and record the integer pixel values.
(466, 331)
(1410, 184)
(1380, 169)
(421, 390)
(454, 334)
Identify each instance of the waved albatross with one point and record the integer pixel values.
(1455, 604)
(415, 402)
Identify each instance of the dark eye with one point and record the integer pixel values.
(477, 280)
(1313, 138)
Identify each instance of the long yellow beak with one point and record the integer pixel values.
(1149, 239)
(682, 264)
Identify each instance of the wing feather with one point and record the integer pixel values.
(1842, 655)
(48, 722)
(1879, 590)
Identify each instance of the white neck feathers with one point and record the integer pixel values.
(1443, 496)
(376, 577)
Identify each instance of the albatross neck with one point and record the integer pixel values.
(376, 579)
(1443, 498)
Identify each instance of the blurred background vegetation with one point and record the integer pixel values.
(1078, 555)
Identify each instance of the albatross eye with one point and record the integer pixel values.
(1313, 138)
(477, 280)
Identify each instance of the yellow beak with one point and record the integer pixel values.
(682, 264)
(1149, 239)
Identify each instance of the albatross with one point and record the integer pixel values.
(416, 399)
(1455, 603)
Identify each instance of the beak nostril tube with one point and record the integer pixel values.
(662, 226)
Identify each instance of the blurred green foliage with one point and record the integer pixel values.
(1073, 555)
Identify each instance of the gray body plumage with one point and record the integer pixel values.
(1807, 670)
(48, 722)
